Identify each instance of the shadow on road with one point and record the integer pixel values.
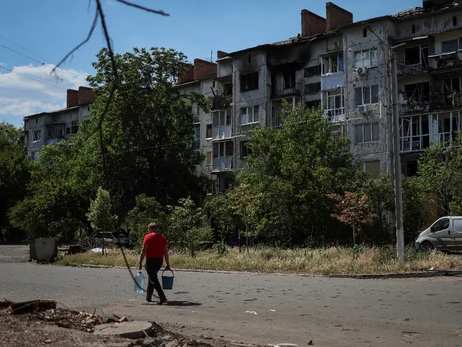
(174, 303)
(182, 303)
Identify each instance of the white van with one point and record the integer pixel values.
(445, 234)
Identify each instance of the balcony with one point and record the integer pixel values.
(414, 69)
(333, 80)
(445, 60)
(221, 101)
(415, 104)
(447, 100)
(335, 115)
(220, 132)
(284, 90)
(222, 164)
(53, 140)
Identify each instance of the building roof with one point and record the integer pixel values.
(62, 110)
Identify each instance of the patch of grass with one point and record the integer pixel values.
(322, 261)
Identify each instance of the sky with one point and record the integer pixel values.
(35, 35)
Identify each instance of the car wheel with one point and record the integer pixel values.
(426, 246)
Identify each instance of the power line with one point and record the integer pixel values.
(37, 61)
(12, 50)
(36, 79)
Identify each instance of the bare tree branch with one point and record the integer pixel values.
(162, 13)
(93, 26)
(99, 9)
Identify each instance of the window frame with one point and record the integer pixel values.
(372, 62)
(367, 133)
(367, 91)
(36, 135)
(250, 117)
(333, 63)
(249, 82)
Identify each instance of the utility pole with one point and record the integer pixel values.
(395, 139)
(396, 158)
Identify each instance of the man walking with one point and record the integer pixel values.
(155, 248)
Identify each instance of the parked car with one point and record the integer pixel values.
(445, 235)
(110, 238)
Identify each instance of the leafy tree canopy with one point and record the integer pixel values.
(14, 175)
(63, 182)
(147, 132)
(291, 169)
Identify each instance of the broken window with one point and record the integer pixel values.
(367, 132)
(416, 57)
(332, 63)
(312, 71)
(415, 133)
(367, 95)
(312, 88)
(289, 79)
(366, 58)
(417, 96)
(249, 82)
(36, 135)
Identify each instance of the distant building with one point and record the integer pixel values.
(346, 68)
(51, 127)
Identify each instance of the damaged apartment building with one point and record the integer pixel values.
(51, 127)
(346, 68)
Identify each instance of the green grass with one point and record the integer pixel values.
(321, 261)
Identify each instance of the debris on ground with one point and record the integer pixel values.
(33, 324)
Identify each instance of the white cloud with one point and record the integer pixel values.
(26, 90)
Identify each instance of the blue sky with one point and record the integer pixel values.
(35, 34)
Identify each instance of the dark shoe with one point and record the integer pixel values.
(148, 300)
(162, 301)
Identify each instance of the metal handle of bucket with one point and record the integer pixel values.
(168, 270)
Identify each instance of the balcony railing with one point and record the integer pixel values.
(445, 60)
(335, 115)
(412, 69)
(284, 90)
(222, 101)
(222, 164)
(221, 132)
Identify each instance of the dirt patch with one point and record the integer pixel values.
(69, 328)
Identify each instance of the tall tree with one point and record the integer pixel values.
(147, 131)
(63, 182)
(291, 169)
(14, 176)
(440, 170)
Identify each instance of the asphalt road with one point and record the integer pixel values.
(263, 309)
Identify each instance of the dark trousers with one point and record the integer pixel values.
(153, 265)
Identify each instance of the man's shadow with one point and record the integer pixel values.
(174, 303)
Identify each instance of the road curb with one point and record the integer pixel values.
(430, 273)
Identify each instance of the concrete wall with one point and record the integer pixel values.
(245, 63)
(354, 41)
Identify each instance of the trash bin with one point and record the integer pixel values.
(45, 249)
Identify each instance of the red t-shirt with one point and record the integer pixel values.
(156, 245)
